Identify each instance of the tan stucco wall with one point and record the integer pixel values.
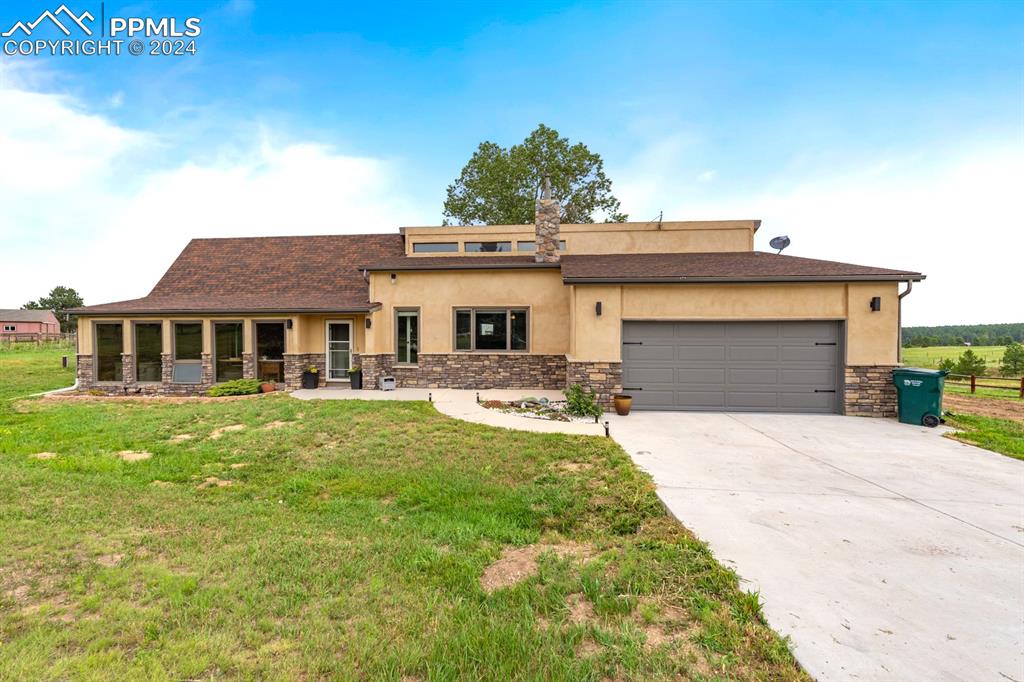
(597, 238)
(871, 336)
(307, 334)
(436, 294)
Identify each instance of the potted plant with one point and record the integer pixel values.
(623, 403)
(311, 377)
(355, 375)
(267, 387)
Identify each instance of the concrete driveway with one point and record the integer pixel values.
(885, 551)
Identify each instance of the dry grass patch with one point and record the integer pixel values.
(213, 482)
(182, 437)
(109, 560)
(44, 455)
(516, 564)
(134, 455)
(217, 433)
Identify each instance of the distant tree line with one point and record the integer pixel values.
(958, 334)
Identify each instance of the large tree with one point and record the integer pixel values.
(499, 186)
(58, 300)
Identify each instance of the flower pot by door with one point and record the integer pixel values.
(357, 380)
(310, 379)
(267, 387)
(623, 403)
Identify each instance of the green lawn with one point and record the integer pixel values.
(342, 540)
(1004, 436)
(28, 368)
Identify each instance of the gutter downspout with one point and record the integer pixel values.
(899, 322)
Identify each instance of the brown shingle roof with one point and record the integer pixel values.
(456, 263)
(745, 266)
(265, 274)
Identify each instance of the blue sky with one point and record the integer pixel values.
(868, 132)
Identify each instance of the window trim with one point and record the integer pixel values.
(457, 245)
(562, 245)
(465, 245)
(174, 351)
(419, 330)
(283, 321)
(135, 350)
(508, 327)
(96, 352)
(327, 348)
(10, 327)
(213, 344)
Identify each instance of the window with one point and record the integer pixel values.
(407, 343)
(435, 247)
(148, 346)
(486, 247)
(188, 352)
(109, 346)
(9, 328)
(490, 329)
(227, 351)
(270, 351)
(532, 246)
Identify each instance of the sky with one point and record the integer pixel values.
(885, 134)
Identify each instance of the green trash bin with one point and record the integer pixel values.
(919, 394)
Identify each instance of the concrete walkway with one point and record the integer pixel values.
(462, 405)
(885, 551)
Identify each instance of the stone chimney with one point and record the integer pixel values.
(547, 222)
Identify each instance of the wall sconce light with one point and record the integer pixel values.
(394, 277)
(369, 322)
(597, 308)
(288, 323)
(876, 304)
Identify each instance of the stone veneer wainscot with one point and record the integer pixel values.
(868, 391)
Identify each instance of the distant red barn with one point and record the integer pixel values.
(22, 323)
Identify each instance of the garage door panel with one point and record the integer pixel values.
(754, 353)
(712, 353)
(696, 375)
(739, 376)
(649, 352)
(822, 354)
(741, 366)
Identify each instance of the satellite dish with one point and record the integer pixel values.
(779, 243)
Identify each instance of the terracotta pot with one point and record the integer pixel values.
(267, 387)
(623, 403)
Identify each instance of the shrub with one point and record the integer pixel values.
(581, 403)
(970, 363)
(235, 387)
(948, 364)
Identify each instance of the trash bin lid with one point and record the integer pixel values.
(920, 371)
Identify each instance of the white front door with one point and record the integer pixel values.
(339, 350)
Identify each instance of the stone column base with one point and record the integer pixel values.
(297, 363)
(868, 391)
(603, 379)
(248, 366)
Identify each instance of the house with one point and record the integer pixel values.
(28, 325)
(682, 315)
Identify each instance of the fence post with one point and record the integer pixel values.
(974, 381)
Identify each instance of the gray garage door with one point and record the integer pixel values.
(732, 366)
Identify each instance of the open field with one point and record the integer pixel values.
(271, 538)
(930, 357)
(28, 368)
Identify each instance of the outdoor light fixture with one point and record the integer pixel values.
(369, 323)
(876, 304)
(597, 309)
(393, 277)
(289, 324)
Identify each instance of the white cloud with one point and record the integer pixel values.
(707, 176)
(99, 207)
(957, 217)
